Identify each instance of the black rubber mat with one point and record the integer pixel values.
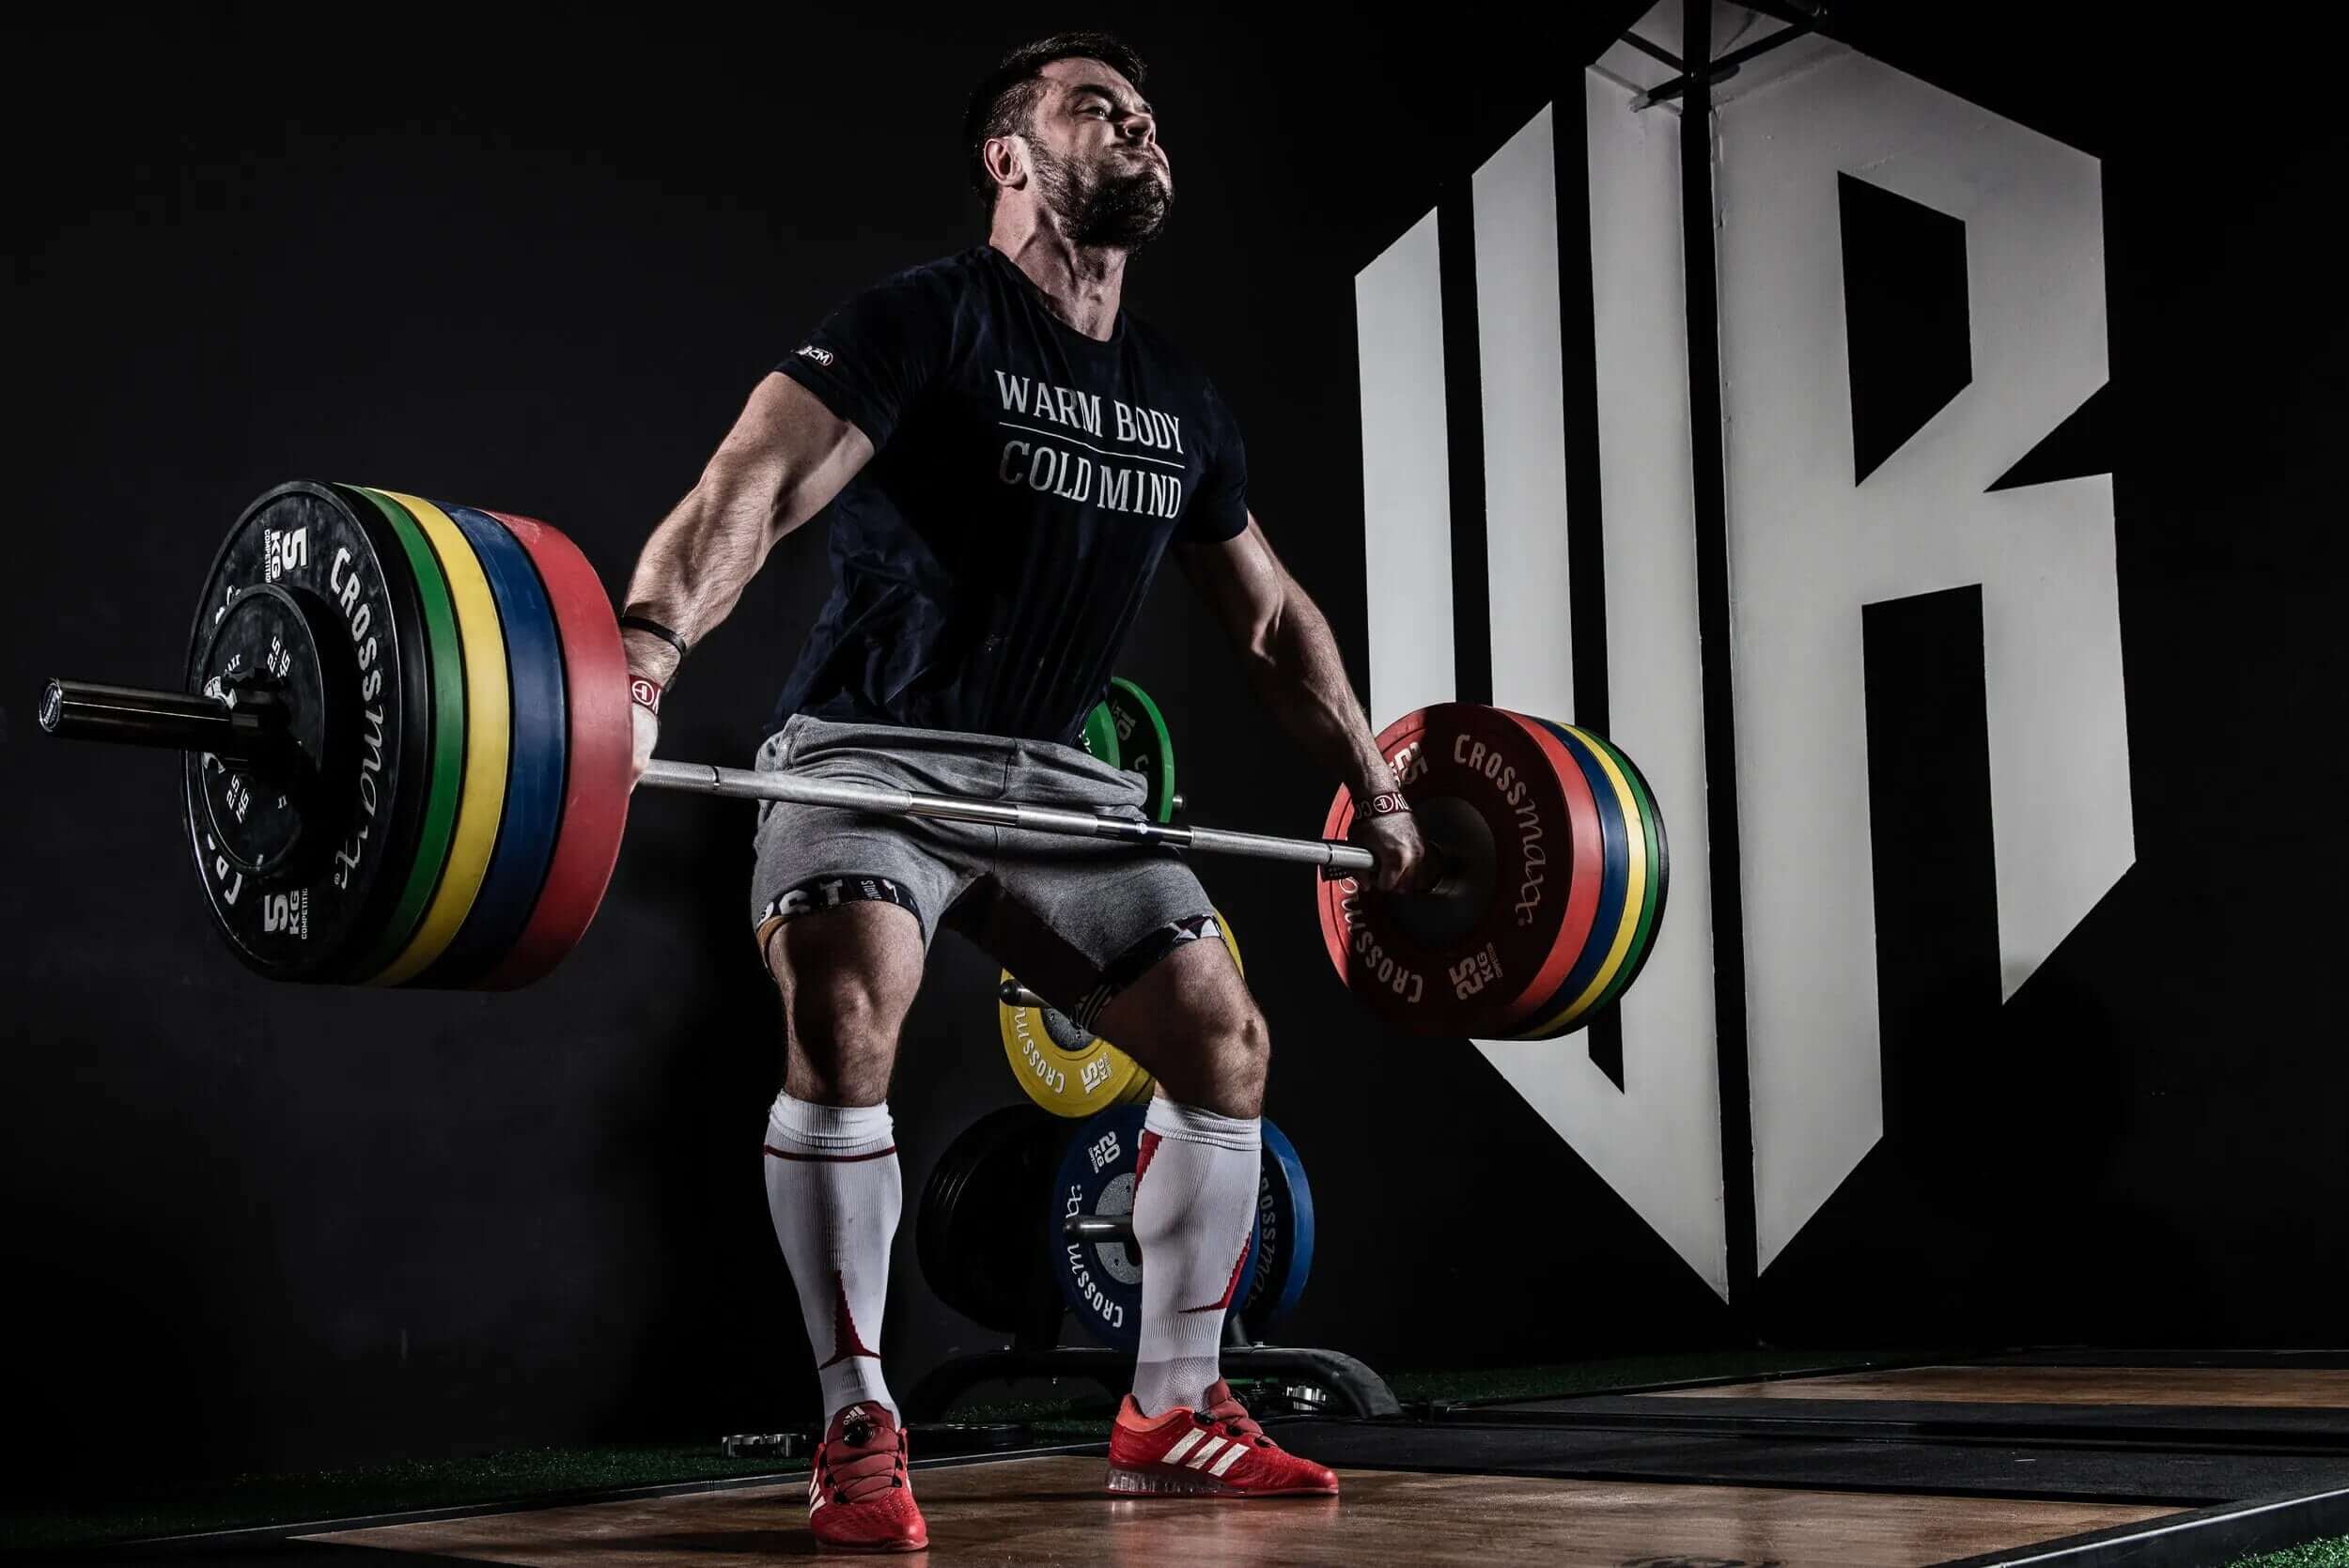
(2316, 1429)
(1882, 1463)
(2086, 1357)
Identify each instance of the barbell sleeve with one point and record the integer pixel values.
(175, 720)
(701, 778)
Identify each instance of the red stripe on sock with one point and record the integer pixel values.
(844, 1335)
(827, 1159)
(1230, 1287)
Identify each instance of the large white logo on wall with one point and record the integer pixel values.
(1808, 548)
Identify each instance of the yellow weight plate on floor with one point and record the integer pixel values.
(1069, 1072)
(488, 738)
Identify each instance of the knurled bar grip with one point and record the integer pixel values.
(745, 783)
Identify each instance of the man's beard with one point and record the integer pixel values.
(1114, 209)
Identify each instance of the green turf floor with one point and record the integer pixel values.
(2316, 1554)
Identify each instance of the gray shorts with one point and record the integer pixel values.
(1077, 920)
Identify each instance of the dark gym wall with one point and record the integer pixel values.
(540, 273)
(2144, 1145)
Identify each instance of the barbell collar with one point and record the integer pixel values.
(745, 783)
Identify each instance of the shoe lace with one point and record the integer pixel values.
(1234, 1422)
(855, 1478)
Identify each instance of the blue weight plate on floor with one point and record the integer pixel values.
(1101, 1280)
(1614, 885)
(1285, 1235)
(535, 761)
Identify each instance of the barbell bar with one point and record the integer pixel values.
(700, 778)
(130, 715)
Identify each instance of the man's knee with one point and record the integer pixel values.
(846, 979)
(1237, 1047)
(840, 1034)
(1244, 1044)
(840, 1011)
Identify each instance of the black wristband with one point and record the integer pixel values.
(640, 623)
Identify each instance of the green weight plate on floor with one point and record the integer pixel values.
(448, 730)
(1144, 745)
(1100, 734)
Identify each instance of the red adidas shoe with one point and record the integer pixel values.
(1217, 1452)
(859, 1498)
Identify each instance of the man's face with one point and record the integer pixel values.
(1098, 165)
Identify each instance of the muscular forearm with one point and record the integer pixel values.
(1297, 672)
(693, 570)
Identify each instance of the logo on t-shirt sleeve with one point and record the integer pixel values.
(821, 356)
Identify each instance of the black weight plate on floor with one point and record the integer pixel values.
(933, 1221)
(315, 916)
(976, 1234)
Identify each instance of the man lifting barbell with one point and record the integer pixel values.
(1005, 456)
(409, 743)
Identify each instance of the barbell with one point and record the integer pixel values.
(407, 739)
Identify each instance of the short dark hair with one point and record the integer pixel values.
(1004, 100)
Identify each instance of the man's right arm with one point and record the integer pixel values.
(785, 459)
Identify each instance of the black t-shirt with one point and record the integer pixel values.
(1024, 484)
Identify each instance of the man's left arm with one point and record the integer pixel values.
(1294, 668)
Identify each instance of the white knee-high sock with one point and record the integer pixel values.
(1194, 1202)
(834, 1190)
